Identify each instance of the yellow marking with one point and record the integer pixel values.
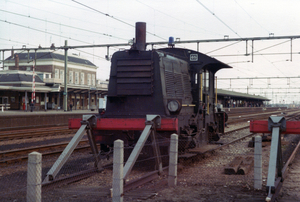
(188, 105)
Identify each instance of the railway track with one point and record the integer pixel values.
(33, 133)
(241, 117)
(46, 150)
(35, 136)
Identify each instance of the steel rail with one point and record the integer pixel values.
(23, 135)
(237, 119)
(45, 147)
(231, 142)
(232, 131)
(144, 179)
(85, 174)
(33, 129)
(22, 128)
(69, 179)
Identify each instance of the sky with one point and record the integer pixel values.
(86, 22)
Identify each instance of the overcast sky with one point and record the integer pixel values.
(84, 22)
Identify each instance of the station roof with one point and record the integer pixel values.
(49, 55)
(16, 76)
(234, 94)
(18, 80)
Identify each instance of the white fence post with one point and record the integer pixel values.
(258, 163)
(34, 177)
(172, 178)
(118, 164)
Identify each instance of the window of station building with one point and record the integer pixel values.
(47, 75)
(41, 75)
(76, 77)
(89, 79)
(71, 77)
(56, 73)
(93, 79)
(82, 78)
(3, 100)
(62, 75)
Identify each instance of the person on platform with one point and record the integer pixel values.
(71, 106)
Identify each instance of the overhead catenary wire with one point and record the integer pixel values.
(218, 18)
(223, 47)
(231, 29)
(180, 20)
(25, 43)
(251, 17)
(60, 24)
(117, 19)
(272, 46)
(56, 14)
(27, 27)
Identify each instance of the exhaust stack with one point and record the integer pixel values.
(140, 36)
(16, 61)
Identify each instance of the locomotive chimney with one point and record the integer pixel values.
(140, 36)
(16, 61)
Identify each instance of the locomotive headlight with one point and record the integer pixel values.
(173, 106)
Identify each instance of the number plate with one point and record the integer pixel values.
(194, 57)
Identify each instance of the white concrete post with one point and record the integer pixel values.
(258, 163)
(118, 164)
(172, 178)
(34, 177)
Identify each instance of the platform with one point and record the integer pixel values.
(19, 119)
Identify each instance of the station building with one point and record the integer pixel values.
(17, 83)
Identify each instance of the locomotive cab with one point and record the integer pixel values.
(204, 121)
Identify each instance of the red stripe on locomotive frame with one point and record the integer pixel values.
(167, 124)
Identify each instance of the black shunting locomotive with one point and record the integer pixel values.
(176, 83)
